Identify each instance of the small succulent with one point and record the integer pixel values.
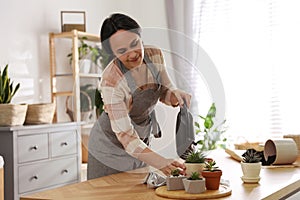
(251, 156)
(210, 165)
(195, 176)
(175, 172)
(195, 157)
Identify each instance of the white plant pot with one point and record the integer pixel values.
(194, 186)
(251, 170)
(194, 167)
(175, 183)
(85, 66)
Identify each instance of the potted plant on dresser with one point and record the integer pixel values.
(11, 114)
(194, 184)
(174, 182)
(212, 175)
(251, 166)
(195, 162)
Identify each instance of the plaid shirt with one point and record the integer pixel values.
(117, 96)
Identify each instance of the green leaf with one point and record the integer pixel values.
(7, 90)
(212, 111)
(208, 123)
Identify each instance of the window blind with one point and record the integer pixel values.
(254, 45)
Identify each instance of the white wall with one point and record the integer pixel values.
(24, 35)
(25, 26)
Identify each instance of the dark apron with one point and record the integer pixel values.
(106, 153)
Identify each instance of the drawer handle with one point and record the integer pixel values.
(65, 171)
(64, 144)
(34, 147)
(35, 177)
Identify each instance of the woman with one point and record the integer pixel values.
(131, 85)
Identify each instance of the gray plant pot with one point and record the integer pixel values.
(194, 186)
(175, 183)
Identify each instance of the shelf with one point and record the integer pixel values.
(62, 75)
(75, 33)
(90, 75)
(59, 75)
(67, 93)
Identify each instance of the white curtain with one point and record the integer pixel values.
(195, 72)
(254, 45)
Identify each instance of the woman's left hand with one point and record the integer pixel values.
(178, 97)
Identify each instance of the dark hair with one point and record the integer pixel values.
(114, 23)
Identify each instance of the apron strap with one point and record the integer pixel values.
(128, 76)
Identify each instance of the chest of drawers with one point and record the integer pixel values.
(39, 157)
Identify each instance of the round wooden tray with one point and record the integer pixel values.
(181, 194)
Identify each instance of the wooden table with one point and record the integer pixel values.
(274, 184)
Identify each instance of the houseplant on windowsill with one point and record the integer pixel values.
(195, 162)
(174, 182)
(211, 135)
(194, 184)
(212, 175)
(11, 114)
(251, 166)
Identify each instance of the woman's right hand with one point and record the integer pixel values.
(172, 165)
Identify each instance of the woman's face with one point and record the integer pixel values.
(128, 48)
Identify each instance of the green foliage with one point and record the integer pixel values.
(210, 165)
(95, 52)
(175, 172)
(212, 136)
(195, 176)
(251, 156)
(195, 157)
(83, 50)
(7, 90)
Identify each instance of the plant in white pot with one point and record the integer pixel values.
(251, 166)
(195, 162)
(194, 184)
(174, 181)
(11, 114)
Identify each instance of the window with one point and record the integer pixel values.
(254, 45)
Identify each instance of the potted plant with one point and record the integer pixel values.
(89, 55)
(194, 184)
(211, 136)
(251, 166)
(195, 162)
(212, 175)
(174, 181)
(11, 114)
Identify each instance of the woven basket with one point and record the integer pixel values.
(296, 138)
(42, 113)
(85, 115)
(12, 114)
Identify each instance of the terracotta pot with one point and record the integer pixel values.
(194, 186)
(212, 179)
(175, 183)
